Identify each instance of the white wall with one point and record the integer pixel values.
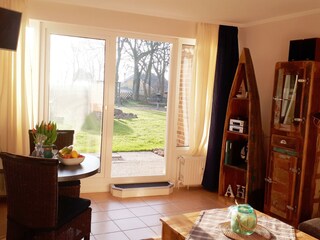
(268, 44)
(110, 19)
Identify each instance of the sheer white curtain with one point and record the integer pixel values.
(202, 87)
(14, 89)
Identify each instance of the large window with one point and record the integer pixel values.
(187, 55)
(119, 93)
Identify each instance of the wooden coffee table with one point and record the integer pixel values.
(178, 227)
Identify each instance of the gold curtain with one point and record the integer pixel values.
(14, 120)
(202, 87)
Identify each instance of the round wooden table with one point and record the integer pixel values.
(87, 168)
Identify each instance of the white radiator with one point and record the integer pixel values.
(191, 169)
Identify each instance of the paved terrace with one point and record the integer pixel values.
(130, 164)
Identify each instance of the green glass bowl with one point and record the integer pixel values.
(243, 219)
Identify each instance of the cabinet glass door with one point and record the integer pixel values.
(287, 105)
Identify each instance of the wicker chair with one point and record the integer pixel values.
(64, 138)
(35, 211)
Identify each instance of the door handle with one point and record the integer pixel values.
(290, 208)
(269, 180)
(298, 120)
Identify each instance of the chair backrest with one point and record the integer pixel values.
(64, 138)
(32, 190)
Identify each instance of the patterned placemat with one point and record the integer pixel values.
(207, 226)
(260, 233)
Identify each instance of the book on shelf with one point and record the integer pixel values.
(235, 152)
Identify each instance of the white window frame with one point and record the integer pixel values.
(48, 28)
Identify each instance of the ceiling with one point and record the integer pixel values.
(232, 12)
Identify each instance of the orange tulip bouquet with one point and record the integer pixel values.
(44, 135)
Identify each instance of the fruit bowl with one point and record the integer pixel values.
(71, 161)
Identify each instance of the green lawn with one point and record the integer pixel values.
(144, 133)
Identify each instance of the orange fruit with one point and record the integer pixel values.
(74, 154)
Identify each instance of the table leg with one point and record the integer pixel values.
(69, 189)
(169, 234)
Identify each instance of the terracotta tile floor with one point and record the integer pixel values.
(138, 218)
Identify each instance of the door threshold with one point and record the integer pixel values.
(141, 189)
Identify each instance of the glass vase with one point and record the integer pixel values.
(38, 150)
(47, 151)
(243, 219)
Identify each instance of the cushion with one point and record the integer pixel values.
(70, 207)
(311, 227)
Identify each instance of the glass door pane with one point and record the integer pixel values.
(142, 70)
(288, 101)
(76, 88)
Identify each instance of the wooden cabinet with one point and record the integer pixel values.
(284, 179)
(242, 163)
(291, 192)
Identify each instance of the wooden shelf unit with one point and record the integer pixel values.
(245, 172)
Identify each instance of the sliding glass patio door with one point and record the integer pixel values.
(118, 93)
